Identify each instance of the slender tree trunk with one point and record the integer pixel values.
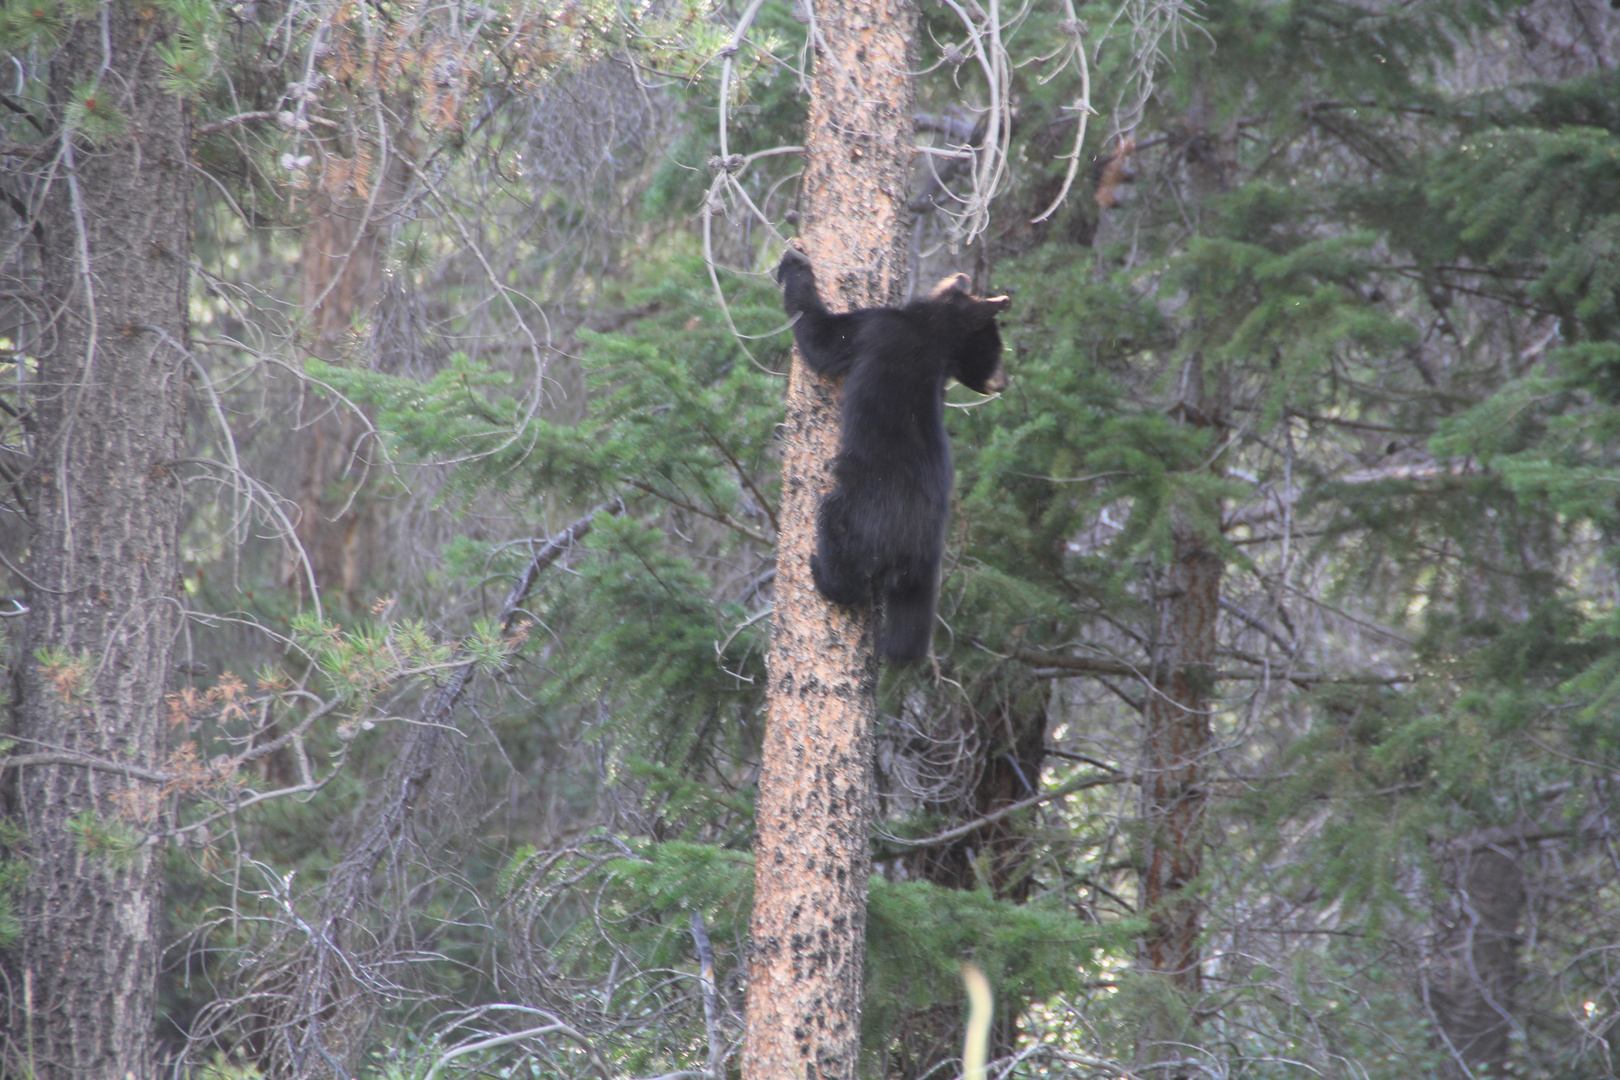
(342, 265)
(108, 405)
(1176, 745)
(815, 802)
(1471, 979)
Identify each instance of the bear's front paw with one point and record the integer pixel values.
(793, 261)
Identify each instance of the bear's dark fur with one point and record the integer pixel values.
(880, 533)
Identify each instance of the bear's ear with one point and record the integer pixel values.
(982, 311)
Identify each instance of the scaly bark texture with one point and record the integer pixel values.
(815, 802)
(104, 503)
(1176, 747)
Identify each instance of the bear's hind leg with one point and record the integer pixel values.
(839, 581)
(837, 567)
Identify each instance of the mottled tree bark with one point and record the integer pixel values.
(815, 804)
(108, 403)
(1176, 746)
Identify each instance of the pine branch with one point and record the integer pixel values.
(723, 519)
(1090, 665)
(1079, 783)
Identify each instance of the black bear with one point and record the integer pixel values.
(880, 533)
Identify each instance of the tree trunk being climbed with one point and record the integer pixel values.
(815, 801)
(104, 506)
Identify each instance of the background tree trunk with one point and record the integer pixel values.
(338, 526)
(1011, 716)
(1176, 747)
(102, 563)
(815, 804)
(1472, 976)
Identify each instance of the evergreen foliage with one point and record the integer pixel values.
(1380, 239)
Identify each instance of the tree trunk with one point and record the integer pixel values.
(1176, 745)
(815, 789)
(339, 528)
(1473, 974)
(108, 406)
(1012, 719)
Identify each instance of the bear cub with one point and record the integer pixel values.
(880, 533)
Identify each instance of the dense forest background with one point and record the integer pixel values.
(1272, 729)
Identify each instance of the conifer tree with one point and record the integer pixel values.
(106, 244)
(1273, 721)
(816, 801)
